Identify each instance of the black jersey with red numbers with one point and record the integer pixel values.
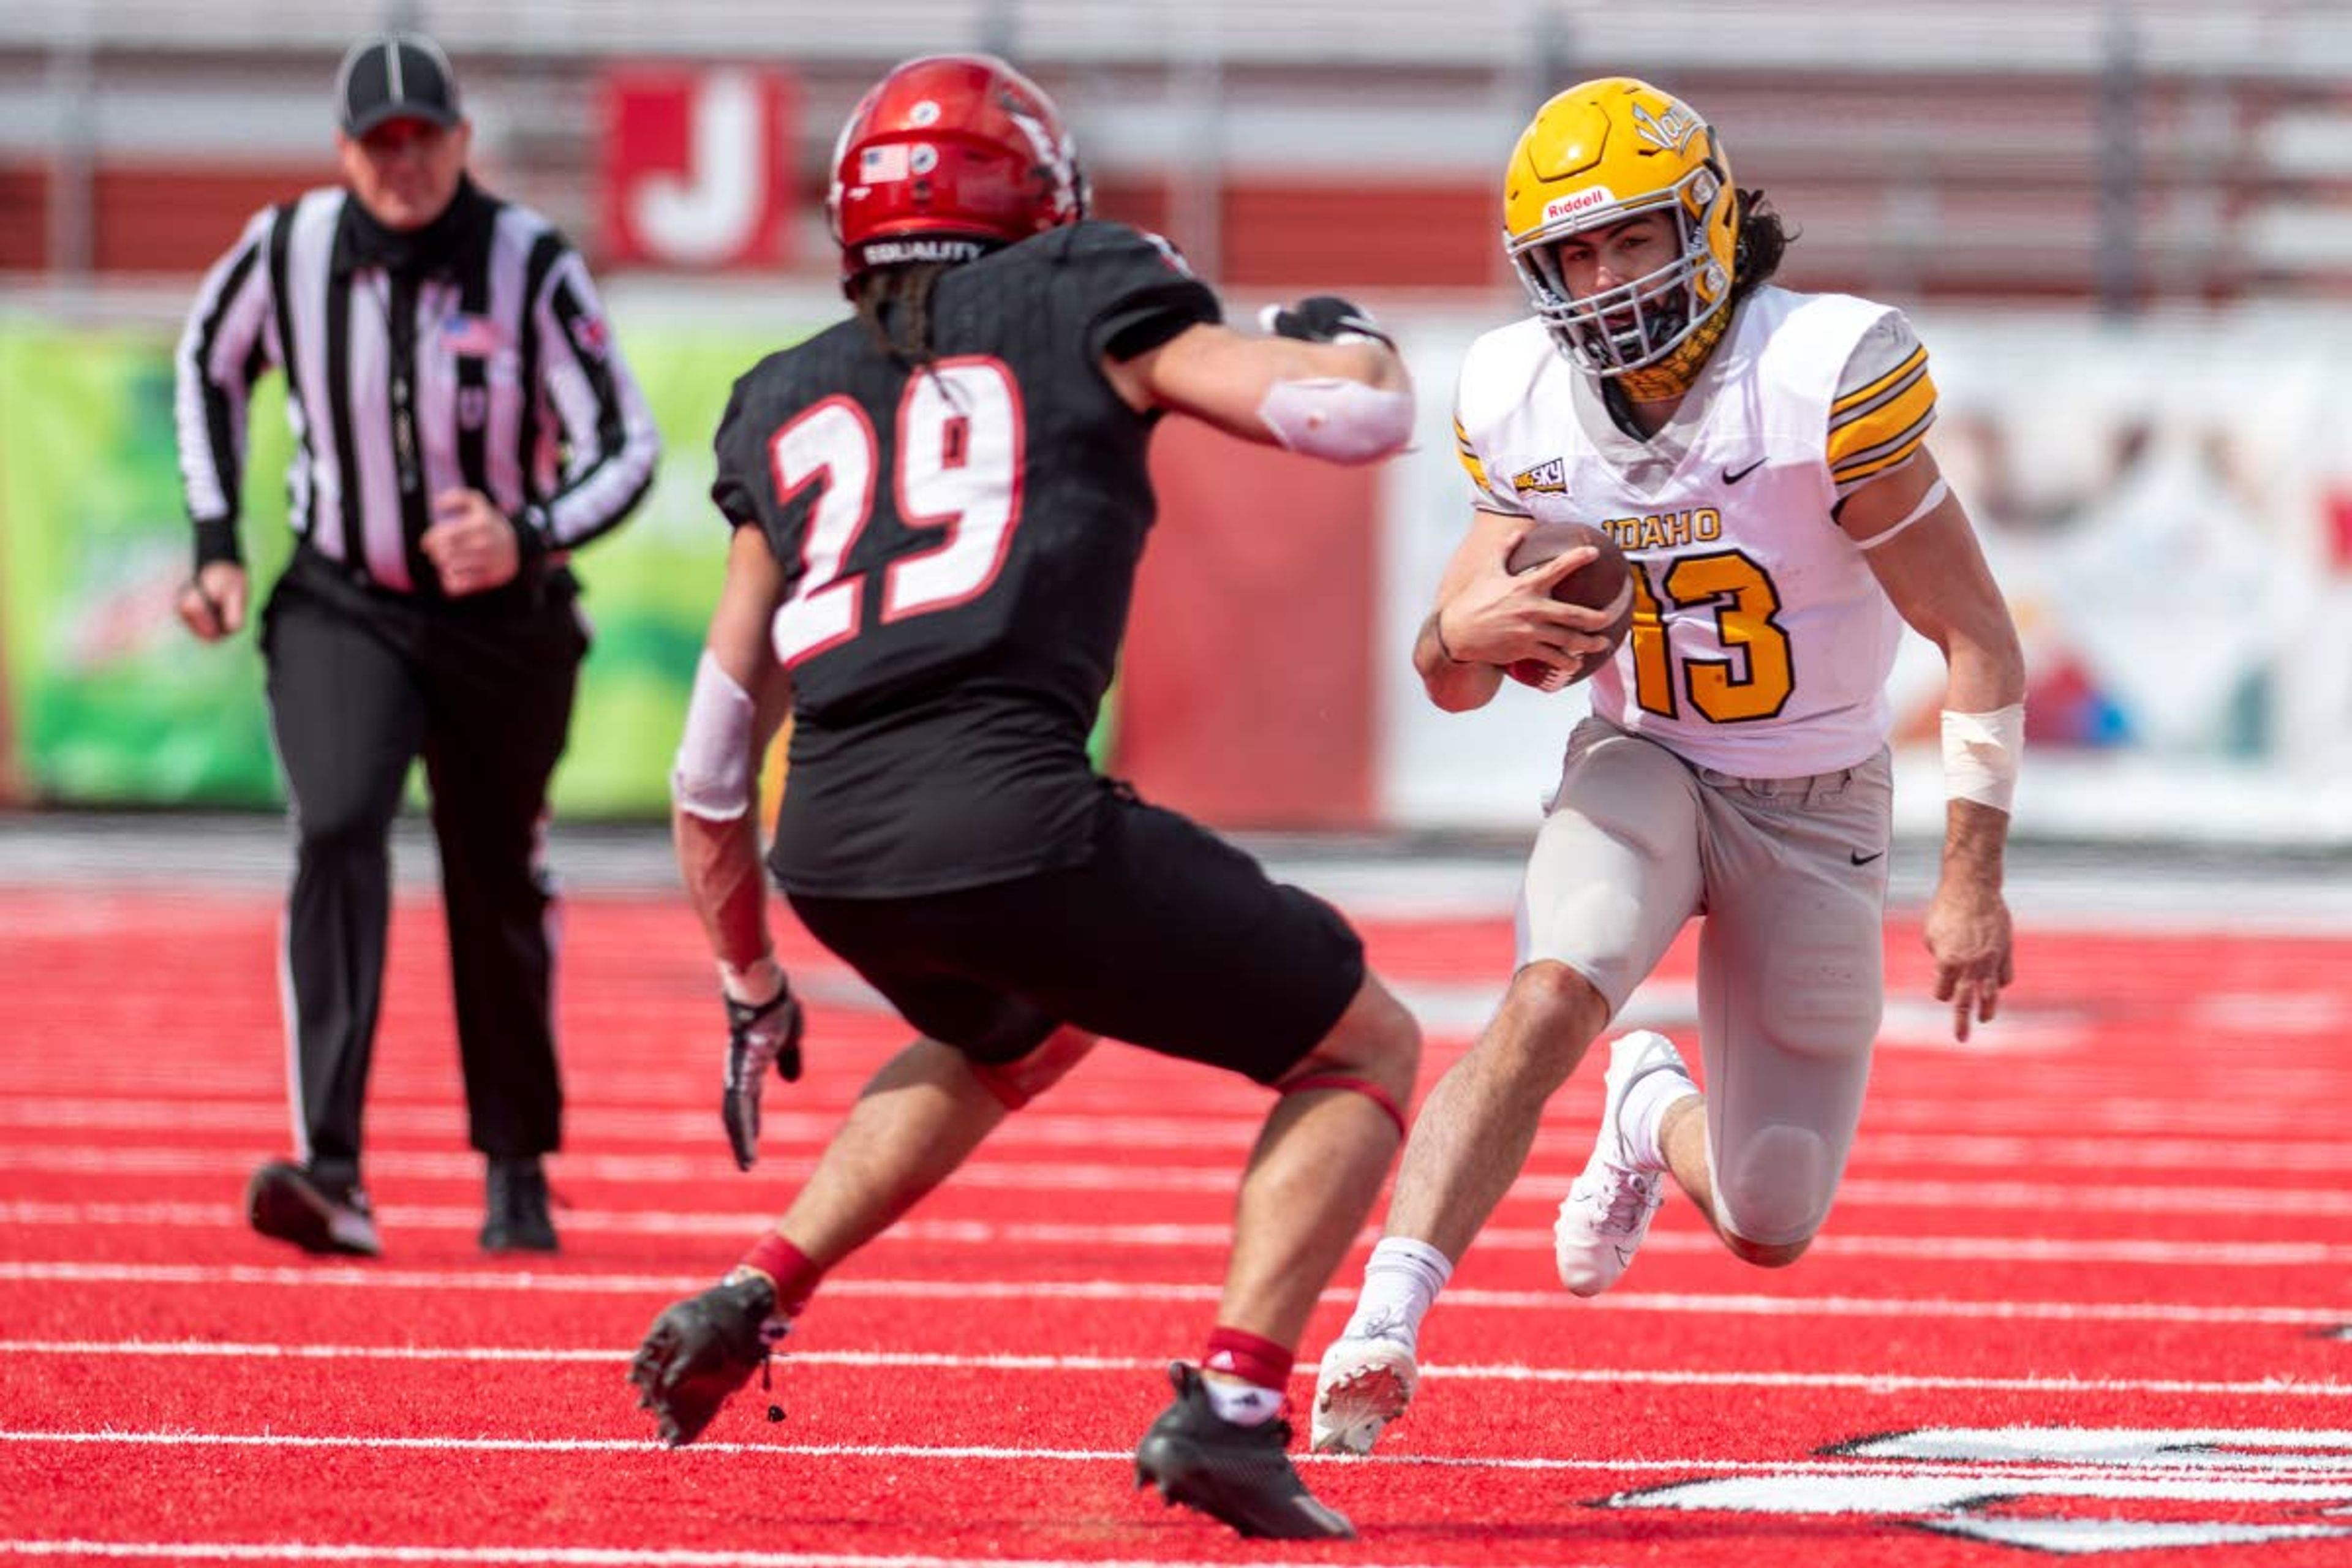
(959, 541)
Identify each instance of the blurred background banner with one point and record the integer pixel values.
(2168, 506)
(2124, 231)
(111, 701)
(693, 168)
(115, 704)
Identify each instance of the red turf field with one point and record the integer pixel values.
(2084, 1294)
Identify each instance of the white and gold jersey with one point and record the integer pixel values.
(1761, 641)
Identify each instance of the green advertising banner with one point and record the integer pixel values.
(648, 587)
(111, 699)
(113, 703)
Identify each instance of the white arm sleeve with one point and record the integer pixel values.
(712, 776)
(1337, 419)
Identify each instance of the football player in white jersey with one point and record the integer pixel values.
(1758, 455)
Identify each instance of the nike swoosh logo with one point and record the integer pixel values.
(1862, 859)
(1731, 479)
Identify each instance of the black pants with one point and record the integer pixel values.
(361, 684)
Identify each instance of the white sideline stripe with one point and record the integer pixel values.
(563, 1556)
(1868, 1383)
(1899, 1149)
(1186, 1125)
(367, 1277)
(1537, 1186)
(2121, 1118)
(1875, 1150)
(2319, 1480)
(786, 1127)
(2064, 1251)
(2108, 1154)
(696, 1170)
(2119, 1199)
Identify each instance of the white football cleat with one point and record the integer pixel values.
(1363, 1384)
(1608, 1208)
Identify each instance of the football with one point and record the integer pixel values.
(1595, 584)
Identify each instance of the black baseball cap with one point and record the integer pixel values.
(395, 76)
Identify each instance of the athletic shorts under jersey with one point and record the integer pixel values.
(959, 542)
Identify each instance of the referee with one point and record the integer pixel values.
(463, 421)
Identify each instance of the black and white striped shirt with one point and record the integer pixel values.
(516, 388)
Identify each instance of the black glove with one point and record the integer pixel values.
(757, 1037)
(1323, 319)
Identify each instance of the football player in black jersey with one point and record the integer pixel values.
(938, 507)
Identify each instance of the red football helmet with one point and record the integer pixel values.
(946, 157)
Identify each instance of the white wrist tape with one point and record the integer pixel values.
(1928, 503)
(755, 984)
(1337, 419)
(712, 778)
(1980, 755)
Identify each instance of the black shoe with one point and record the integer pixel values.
(703, 1349)
(515, 1213)
(285, 1202)
(1241, 1475)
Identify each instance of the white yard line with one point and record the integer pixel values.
(2316, 1480)
(2066, 1252)
(1545, 1185)
(1863, 1382)
(2212, 1132)
(558, 1556)
(364, 1276)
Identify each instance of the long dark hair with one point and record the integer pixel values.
(1763, 241)
(895, 303)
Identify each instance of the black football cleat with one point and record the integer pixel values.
(514, 1210)
(285, 1202)
(1241, 1475)
(703, 1349)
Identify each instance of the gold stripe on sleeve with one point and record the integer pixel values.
(1885, 458)
(1864, 435)
(1918, 357)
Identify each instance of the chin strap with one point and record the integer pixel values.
(1672, 376)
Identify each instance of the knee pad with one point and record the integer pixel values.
(1812, 1004)
(1353, 1085)
(1775, 1189)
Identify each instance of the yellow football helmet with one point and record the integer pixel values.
(1600, 152)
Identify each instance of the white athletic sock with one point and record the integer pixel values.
(1645, 1108)
(1401, 1284)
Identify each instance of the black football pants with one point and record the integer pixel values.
(362, 683)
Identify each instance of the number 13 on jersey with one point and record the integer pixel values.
(1755, 677)
(958, 455)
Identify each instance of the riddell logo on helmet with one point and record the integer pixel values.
(1584, 200)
